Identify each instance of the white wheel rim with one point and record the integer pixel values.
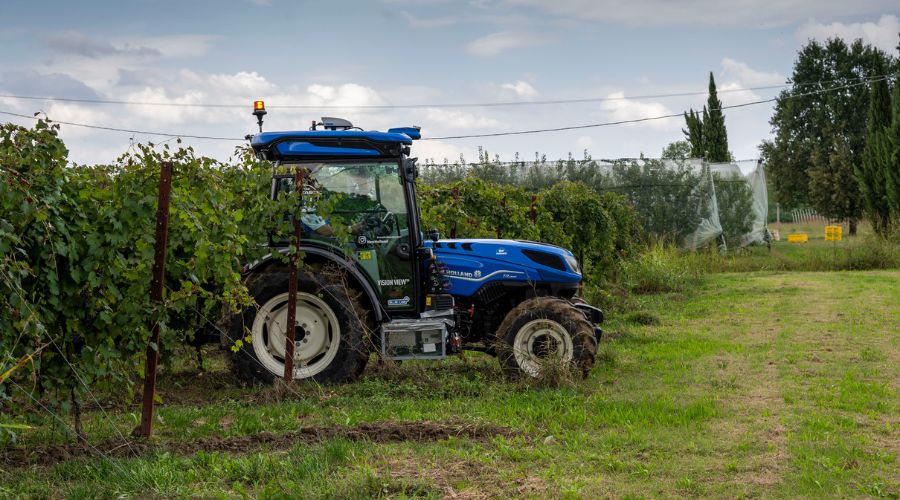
(317, 340)
(540, 332)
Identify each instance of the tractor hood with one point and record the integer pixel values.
(471, 263)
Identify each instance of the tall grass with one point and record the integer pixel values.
(661, 268)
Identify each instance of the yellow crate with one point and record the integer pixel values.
(798, 238)
(834, 233)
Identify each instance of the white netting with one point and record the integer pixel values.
(742, 192)
(688, 201)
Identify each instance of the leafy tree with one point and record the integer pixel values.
(872, 171)
(812, 117)
(833, 189)
(678, 150)
(670, 200)
(735, 202)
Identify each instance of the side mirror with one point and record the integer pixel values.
(434, 234)
(410, 169)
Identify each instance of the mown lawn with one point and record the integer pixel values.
(756, 384)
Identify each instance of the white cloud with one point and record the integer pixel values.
(520, 89)
(495, 43)
(731, 93)
(741, 72)
(762, 13)
(881, 34)
(77, 113)
(241, 83)
(619, 109)
(99, 62)
(348, 94)
(438, 151)
(453, 119)
(737, 75)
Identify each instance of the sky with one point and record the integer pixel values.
(342, 56)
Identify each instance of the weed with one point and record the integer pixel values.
(553, 372)
(661, 269)
(642, 318)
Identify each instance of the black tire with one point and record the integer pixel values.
(351, 355)
(553, 310)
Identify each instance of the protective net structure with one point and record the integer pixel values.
(691, 202)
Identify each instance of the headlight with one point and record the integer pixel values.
(573, 263)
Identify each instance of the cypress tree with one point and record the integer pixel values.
(892, 155)
(694, 133)
(706, 132)
(872, 171)
(715, 136)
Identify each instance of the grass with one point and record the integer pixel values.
(751, 384)
(861, 252)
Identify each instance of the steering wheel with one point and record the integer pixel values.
(380, 225)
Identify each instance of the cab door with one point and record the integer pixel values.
(360, 208)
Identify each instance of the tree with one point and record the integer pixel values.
(833, 190)
(892, 155)
(694, 133)
(813, 116)
(706, 132)
(715, 136)
(735, 203)
(872, 171)
(678, 150)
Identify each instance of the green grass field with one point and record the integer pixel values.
(755, 384)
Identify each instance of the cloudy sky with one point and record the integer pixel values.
(422, 52)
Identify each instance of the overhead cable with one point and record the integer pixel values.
(473, 136)
(577, 100)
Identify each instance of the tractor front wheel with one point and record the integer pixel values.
(543, 332)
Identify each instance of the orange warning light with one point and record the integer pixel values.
(259, 106)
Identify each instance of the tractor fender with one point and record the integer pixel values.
(337, 259)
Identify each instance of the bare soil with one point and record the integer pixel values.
(377, 432)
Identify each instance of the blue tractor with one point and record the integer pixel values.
(372, 280)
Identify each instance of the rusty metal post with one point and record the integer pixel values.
(289, 337)
(156, 296)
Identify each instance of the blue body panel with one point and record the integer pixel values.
(474, 263)
(300, 148)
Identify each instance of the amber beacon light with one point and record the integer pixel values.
(259, 110)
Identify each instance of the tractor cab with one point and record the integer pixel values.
(358, 202)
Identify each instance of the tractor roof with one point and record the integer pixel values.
(332, 144)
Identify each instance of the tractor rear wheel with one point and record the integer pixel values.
(545, 330)
(329, 337)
